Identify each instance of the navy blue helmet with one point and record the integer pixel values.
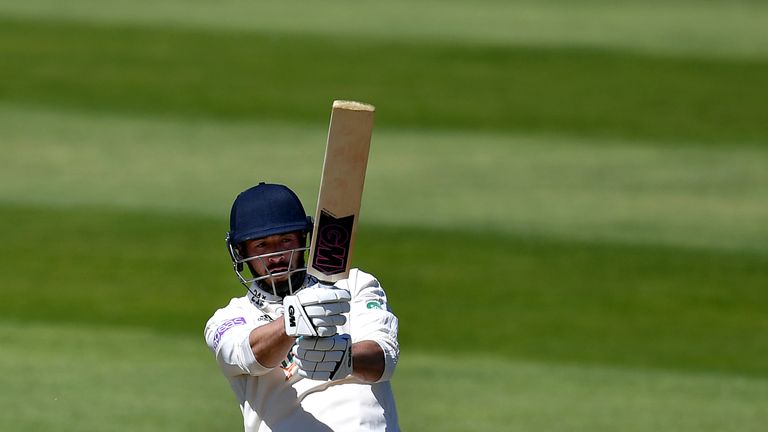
(264, 210)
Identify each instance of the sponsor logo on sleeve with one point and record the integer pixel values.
(224, 327)
(373, 304)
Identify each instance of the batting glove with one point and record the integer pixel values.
(315, 311)
(324, 358)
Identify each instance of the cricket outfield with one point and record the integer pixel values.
(568, 214)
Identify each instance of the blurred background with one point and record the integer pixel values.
(567, 202)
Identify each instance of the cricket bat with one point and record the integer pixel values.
(341, 190)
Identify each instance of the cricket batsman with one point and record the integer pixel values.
(301, 355)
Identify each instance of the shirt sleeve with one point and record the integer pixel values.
(372, 319)
(227, 335)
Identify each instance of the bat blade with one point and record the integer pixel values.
(341, 190)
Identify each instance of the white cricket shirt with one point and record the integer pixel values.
(278, 399)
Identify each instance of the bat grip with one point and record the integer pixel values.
(326, 284)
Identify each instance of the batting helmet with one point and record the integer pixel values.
(265, 210)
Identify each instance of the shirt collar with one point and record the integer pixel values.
(258, 296)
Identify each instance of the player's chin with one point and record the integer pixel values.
(283, 282)
(280, 282)
(277, 279)
(276, 273)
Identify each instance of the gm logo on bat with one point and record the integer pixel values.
(333, 241)
(291, 316)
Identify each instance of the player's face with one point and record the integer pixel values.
(278, 259)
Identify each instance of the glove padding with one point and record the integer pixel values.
(324, 358)
(315, 311)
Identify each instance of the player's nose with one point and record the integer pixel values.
(276, 258)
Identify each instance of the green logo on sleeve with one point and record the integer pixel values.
(374, 304)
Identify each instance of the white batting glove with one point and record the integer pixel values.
(315, 311)
(324, 358)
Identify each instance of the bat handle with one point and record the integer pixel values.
(326, 284)
(312, 280)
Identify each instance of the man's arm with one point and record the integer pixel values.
(375, 327)
(270, 344)
(367, 360)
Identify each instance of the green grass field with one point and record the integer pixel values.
(566, 202)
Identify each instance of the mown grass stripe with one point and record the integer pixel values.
(715, 28)
(454, 291)
(103, 379)
(623, 191)
(244, 75)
